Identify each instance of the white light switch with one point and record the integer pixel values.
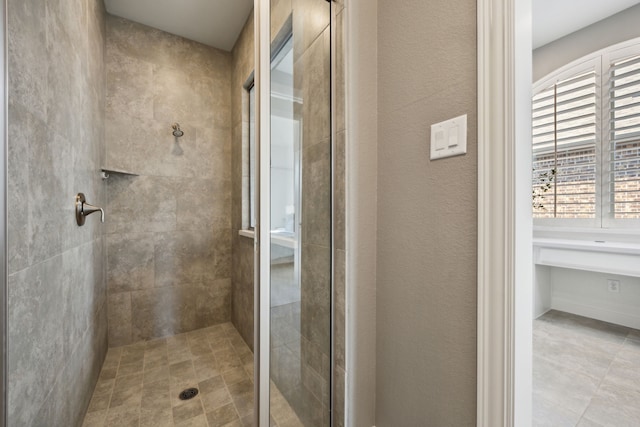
(440, 141)
(449, 138)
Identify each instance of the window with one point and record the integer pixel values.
(586, 142)
(251, 158)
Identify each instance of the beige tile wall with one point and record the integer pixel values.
(169, 229)
(243, 264)
(57, 318)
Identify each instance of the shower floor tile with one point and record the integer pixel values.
(139, 384)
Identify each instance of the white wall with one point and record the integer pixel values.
(541, 290)
(615, 29)
(585, 293)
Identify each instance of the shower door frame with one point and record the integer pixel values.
(262, 241)
(3, 210)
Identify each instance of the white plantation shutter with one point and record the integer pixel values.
(565, 134)
(624, 126)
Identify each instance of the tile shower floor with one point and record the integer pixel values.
(586, 372)
(139, 384)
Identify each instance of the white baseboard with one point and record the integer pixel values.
(619, 315)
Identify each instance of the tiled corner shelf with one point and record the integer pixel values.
(106, 172)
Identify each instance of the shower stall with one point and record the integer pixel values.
(211, 139)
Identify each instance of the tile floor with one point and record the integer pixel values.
(139, 383)
(586, 372)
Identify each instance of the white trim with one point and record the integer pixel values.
(504, 226)
(616, 314)
(263, 196)
(361, 160)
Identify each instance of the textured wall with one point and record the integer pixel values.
(614, 29)
(169, 229)
(426, 289)
(57, 316)
(242, 258)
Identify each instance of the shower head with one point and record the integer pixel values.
(176, 130)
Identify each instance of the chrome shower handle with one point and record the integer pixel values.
(83, 209)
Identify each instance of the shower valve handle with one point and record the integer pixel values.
(83, 209)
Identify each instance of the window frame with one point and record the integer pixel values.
(599, 61)
(251, 157)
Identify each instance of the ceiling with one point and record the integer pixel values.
(553, 19)
(215, 23)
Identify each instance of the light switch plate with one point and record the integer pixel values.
(449, 138)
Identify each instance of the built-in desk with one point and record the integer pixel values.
(572, 275)
(601, 256)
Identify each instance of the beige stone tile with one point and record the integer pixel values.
(190, 409)
(227, 360)
(220, 344)
(130, 261)
(156, 374)
(205, 367)
(234, 375)
(95, 419)
(310, 18)
(108, 373)
(179, 354)
(156, 396)
(131, 368)
(200, 348)
(113, 356)
(127, 391)
(126, 396)
(215, 399)
(222, 416)
(99, 402)
(212, 384)
(155, 361)
(242, 395)
(119, 309)
(156, 417)
(199, 421)
(123, 416)
(182, 371)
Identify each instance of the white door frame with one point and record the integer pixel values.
(504, 214)
(262, 276)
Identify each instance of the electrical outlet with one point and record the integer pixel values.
(613, 285)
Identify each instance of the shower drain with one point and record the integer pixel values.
(189, 393)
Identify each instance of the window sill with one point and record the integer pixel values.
(250, 234)
(587, 234)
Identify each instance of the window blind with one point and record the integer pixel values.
(624, 125)
(564, 119)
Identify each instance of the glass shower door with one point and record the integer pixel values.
(300, 212)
